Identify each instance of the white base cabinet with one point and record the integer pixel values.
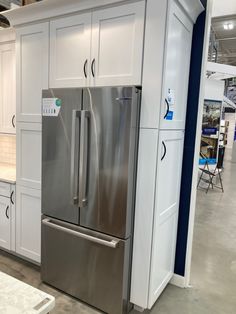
(5, 223)
(28, 223)
(7, 216)
(156, 214)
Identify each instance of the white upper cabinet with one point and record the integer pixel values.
(70, 51)
(32, 70)
(7, 88)
(102, 48)
(117, 45)
(176, 72)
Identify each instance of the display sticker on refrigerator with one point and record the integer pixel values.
(51, 107)
(171, 97)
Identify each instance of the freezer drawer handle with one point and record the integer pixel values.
(112, 244)
(76, 114)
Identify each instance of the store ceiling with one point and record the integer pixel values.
(225, 39)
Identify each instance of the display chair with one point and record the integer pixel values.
(212, 176)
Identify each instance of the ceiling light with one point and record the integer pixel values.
(228, 26)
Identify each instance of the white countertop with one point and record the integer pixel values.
(8, 173)
(16, 297)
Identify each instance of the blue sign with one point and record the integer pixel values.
(170, 115)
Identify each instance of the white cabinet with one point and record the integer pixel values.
(102, 48)
(70, 51)
(28, 223)
(32, 70)
(176, 72)
(168, 179)
(117, 45)
(157, 204)
(7, 88)
(28, 146)
(7, 216)
(5, 223)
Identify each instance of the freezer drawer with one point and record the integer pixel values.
(86, 264)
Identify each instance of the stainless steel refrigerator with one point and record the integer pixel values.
(89, 156)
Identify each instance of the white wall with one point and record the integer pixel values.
(214, 89)
(224, 7)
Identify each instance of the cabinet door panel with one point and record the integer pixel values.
(169, 168)
(5, 223)
(32, 70)
(28, 223)
(7, 88)
(117, 45)
(70, 40)
(29, 147)
(176, 74)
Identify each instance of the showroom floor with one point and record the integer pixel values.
(213, 268)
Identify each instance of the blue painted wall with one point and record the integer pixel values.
(189, 145)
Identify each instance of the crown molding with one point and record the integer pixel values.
(47, 9)
(7, 34)
(193, 8)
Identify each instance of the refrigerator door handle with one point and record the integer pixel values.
(112, 244)
(83, 160)
(75, 141)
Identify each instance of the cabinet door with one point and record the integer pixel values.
(28, 222)
(70, 40)
(28, 151)
(169, 168)
(117, 45)
(176, 73)
(32, 70)
(7, 88)
(5, 223)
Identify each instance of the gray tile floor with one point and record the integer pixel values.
(213, 269)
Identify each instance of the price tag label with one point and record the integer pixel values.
(51, 107)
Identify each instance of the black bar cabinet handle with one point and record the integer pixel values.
(12, 121)
(7, 212)
(11, 197)
(85, 68)
(92, 68)
(168, 108)
(164, 145)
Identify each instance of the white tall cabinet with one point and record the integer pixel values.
(163, 117)
(32, 76)
(7, 82)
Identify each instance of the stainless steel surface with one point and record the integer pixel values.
(52, 223)
(56, 156)
(76, 114)
(88, 193)
(113, 135)
(83, 160)
(92, 272)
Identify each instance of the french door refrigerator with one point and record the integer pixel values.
(89, 155)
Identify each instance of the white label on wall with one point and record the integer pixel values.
(51, 107)
(171, 97)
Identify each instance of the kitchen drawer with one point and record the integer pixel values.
(5, 189)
